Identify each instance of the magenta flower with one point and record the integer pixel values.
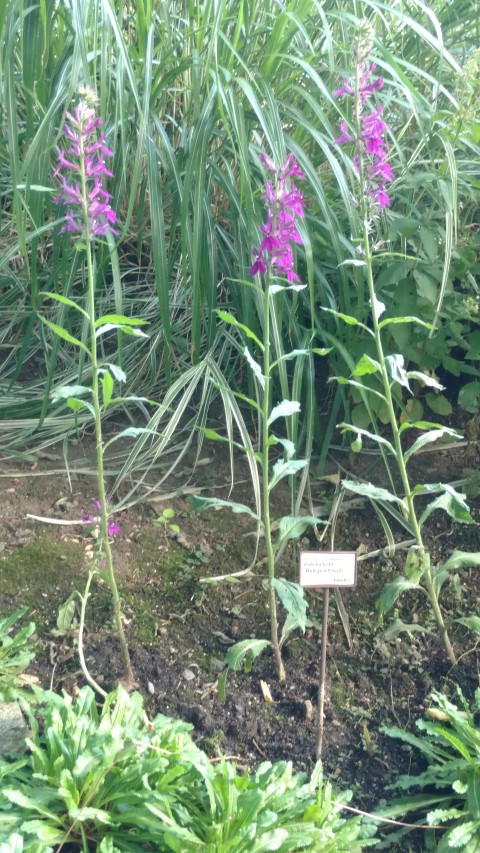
(371, 146)
(85, 159)
(112, 527)
(284, 203)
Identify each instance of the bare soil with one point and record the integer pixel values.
(180, 626)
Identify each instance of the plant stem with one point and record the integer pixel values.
(402, 466)
(265, 481)
(128, 677)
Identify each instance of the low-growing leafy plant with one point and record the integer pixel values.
(16, 652)
(450, 787)
(111, 780)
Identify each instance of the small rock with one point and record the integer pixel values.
(188, 674)
(216, 665)
(150, 688)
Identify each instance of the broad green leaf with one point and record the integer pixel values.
(291, 527)
(392, 590)
(462, 560)
(232, 321)
(427, 438)
(351, 262)
(202, 503)
(453, 503)
(257, 370)
(295, 353)
(66, 391)
(438, 403)
(472, 623)
(370, 491)
(62, 333)
(64, 300)
(239, 654)
(117, 372)
(66, 614)
(77, 405)
(283, 410)
(285, 468)
(287, 445)
(469, 397)
(365, 366)
(416, 564)
(292, 597)
(396, 371)
(118, 320)
(419, 424)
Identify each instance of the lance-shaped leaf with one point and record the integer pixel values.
(64, 300)
(452, 502)
(388, 321)
(117, 372)
(232, 321)
(425, 379)
(291, 527)
(375, 493)
(342, 380)
(241, 654)
(348, 319)
(285, 468)
(283, 410)
(107, 387)
(66, 391)
(379, 439)
(204, 503)
(392, 590)
(396, 370)
(462, 560)
(293, 599)
(295, 353)
(120, 327)
(288, 445)
(365, 366)
(62, 333)
(257, 370)
(118, 320)
(427, 438)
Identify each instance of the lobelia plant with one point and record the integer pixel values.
(81, 170)
(273, 264)
(373, 173)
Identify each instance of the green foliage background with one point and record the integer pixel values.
(190, 93)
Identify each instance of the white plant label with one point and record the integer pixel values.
(319, 569)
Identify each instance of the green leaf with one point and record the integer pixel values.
(370, 491)
(291, 527)
(232, 321)
(427, 438)
(241, 653)
(285, 468)
(452, 502)
(348, 319)
(64, 300)
(396, 371)
(287, 445)
(472, 623)
(76, 405)
(473, 794)
(462, 560)
(416, 564)
(371, 435)
(469, 397)
(257, 370)
(117, 372)
(202, 503)
(283, 410)
(438, 403)
(425, 379)
(118, 320)
(66, 391)
(66, 614)
(121, 327)
(389, 321)
(292, 597)
(392, 590)
(107, 387)
(62, 333)
(289, 355)
(365, 366)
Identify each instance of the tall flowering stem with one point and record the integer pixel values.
(374, 174)
(81, 171)
(274, 257)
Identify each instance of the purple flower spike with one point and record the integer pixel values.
(284, 203)
(370, 145)
(85, 160)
